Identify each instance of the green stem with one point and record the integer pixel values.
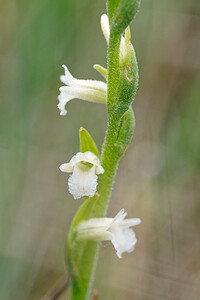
(113, 70)
(111, 154)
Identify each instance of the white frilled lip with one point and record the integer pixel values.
(87, 157)
(123, 238)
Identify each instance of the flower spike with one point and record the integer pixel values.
(84, 168)
(88, 90)
(115, 230)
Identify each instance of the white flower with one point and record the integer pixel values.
(115, 230)
(84, 167)
(125, 40)
(89, 90)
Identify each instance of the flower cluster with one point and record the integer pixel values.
(85, 166)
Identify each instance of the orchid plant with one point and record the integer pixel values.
(93, 174)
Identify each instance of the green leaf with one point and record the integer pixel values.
(121, 13)
(87, 143)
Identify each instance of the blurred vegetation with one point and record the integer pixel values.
(158, 179)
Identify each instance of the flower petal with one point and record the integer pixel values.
(120, 216)
(69, 80)
(68, 168)
(84, 156)
(131, 222)
(91, 95)
(105, 27)
(95, 229)
(99, 169)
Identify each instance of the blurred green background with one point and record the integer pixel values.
(158, 179)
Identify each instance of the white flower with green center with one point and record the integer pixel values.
(88, 90)
(84, 168)
(115, 230)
